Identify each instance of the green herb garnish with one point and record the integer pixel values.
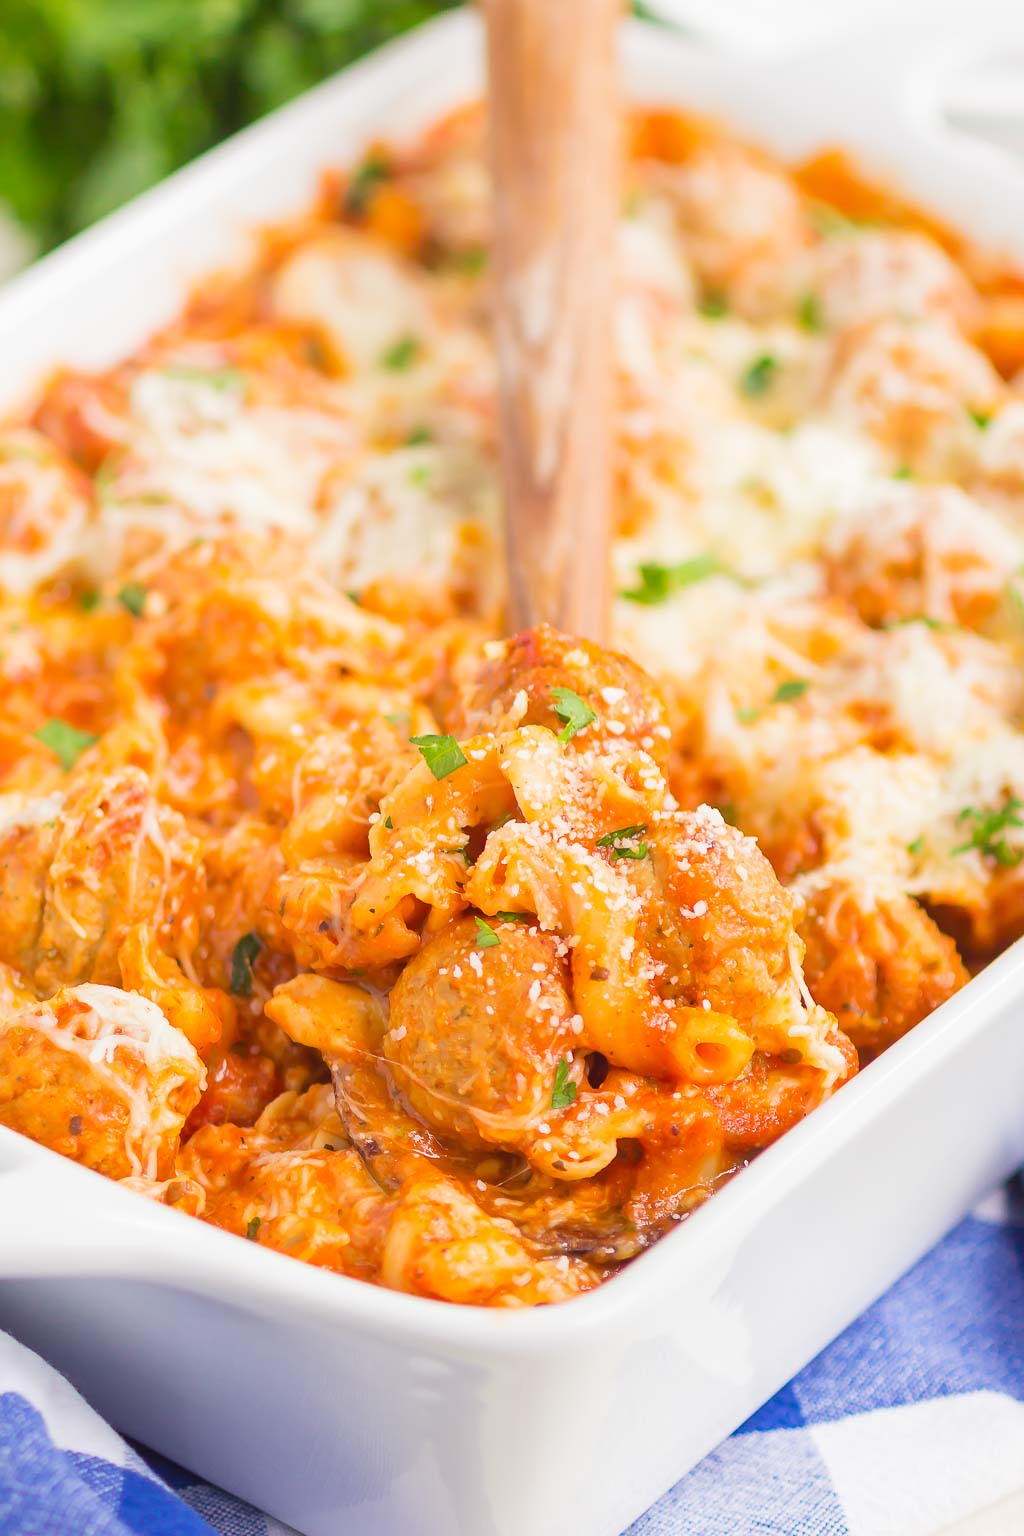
(402, 354)
(133, 597)
(916, 847)
(828, 220)
(442, 754)
(624, 835)
(792, 688)
(713, 306)
(1015, 593)
(658, 582)
(224, 379)
(512, 917)
(918, 618)
(65, 741)
(571, 708)
(471, 261)
(486, 938)
(418, 436)
(564, 1092)
(981, 419)
(809, 313)
(89, 600)
(366, 178)
(758, 378)
(242, 957)
(988, 827)
(253, 1228)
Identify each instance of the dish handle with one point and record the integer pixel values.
(57, 1218)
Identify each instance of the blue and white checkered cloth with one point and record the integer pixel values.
(911, 1422)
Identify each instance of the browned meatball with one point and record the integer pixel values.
(82, 871)
(879, 966)
(99, 1075)
(476, 1034)
(724, 924)
(626, 702)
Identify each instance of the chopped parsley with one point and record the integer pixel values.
(747, 714)
(402, 354)
(366, 178)
(916, 847)
(759, 377)
(418, 436)
(981, 419)
(389, 824)
(571, 708)
(133, 597)
(919, 618)
(420, 474)
(987, 828)
(658, 582)
(442, 754)
(792, 688)
(89, 600)
(809, 313)
(564, 1092)
(904, 472)
(512, 917)
(65, 741)
(618, 842)
(1015, 592)
(228, 380)
(639, 852)
(713, 306)
(242, 957)
(252, 1230)
(486, 938)
(400, 720)
(828, 220)
(471, 261)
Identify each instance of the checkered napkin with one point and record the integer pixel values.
(909, 1424)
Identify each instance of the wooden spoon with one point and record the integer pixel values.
(555, 150)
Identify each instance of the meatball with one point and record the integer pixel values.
(446, 178)
(922, 551)
(914, 389)
(517, 687)
(722, 921)
(106, 857)
(880, 964)
(869, 274)
(743, 224)
(476, 1033)
(361, 298)
(99, 1075)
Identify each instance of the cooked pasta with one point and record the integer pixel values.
(469, 965)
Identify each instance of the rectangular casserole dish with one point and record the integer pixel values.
(337, 1406)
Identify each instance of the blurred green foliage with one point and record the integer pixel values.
(100, 98)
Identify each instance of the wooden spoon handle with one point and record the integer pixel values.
(556, 153)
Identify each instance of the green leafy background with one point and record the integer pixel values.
(100, 98)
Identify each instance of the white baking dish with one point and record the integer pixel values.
(340, 1407)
